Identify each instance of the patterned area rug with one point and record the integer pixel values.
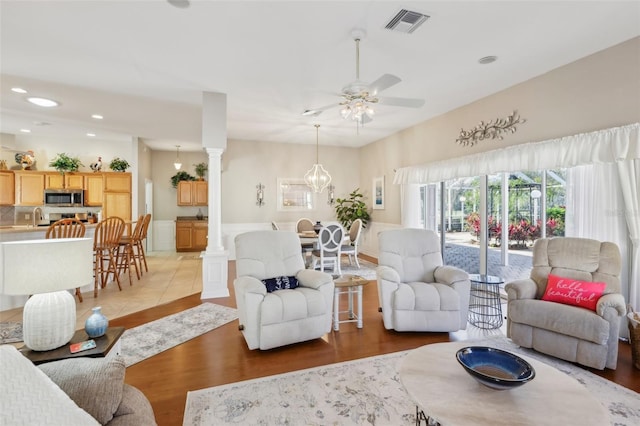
(366, 391)
(150, 339)
(10, 332)
(367, 269)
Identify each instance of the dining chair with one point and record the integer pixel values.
(351, 249)
(67, 228)
(305, 225)
(105, 250)
(328, 254)
(126, 252)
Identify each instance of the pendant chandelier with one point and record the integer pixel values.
(177, 164)
(317, 177)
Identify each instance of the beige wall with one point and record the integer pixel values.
(596, 92)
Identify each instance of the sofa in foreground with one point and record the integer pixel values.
(79, 391)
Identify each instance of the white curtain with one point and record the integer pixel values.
(595, 209)
(410, 206)
(603, 146)
(629, 178)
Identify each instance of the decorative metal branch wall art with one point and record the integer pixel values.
(491, 130)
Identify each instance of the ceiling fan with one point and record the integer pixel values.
(359, 97)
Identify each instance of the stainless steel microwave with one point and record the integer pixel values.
(63, 198)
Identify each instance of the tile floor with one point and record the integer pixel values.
(171, 276)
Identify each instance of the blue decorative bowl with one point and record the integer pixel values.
(495, 368)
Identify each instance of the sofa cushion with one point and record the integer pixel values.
(95, 384)
(568, 291)
(280, 283)
(291, 305)
(419, 296)
(29, 397)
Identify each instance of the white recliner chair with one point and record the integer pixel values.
(280, 317)
(416, 292)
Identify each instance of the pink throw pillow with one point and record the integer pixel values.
(584, 294)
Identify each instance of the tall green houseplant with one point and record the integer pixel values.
(352, 208)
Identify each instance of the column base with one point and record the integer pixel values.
(215, 270)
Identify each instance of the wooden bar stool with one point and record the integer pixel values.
(105, 249)
(67, 228)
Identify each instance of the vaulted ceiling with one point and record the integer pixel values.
(144, 65)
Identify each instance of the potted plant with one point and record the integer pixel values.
(201, 170)
(352, 208)
(119, 165)
(181, 175)
(64, 163)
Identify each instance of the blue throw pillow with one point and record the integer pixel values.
(280, 283)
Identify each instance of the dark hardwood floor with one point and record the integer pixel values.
(221, 356)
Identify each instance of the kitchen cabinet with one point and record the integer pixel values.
(117, 182)
(29, 188)
(93, 193)
(116, 199)
(7, 188)
(191, 235)
(193, 193)
(58, 180)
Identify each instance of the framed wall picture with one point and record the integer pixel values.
(378, 193)
(294, 195)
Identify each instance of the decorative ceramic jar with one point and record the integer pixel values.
(96, 324)
(317, 227)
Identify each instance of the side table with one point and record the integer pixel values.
(107, 344)
(485, 306)
(350, 285)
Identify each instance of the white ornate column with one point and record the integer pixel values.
(214, 139)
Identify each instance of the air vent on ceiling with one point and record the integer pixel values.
(406, 21)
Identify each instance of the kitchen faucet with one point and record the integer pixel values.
(39, 211)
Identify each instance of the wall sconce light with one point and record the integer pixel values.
(331, 196)
(259, 195)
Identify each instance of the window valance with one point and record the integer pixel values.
(602, 146)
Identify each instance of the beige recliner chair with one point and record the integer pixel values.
(416, 292)
(569, 332)
(280, 317)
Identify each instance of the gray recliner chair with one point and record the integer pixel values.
(416, 292)
(569, 332)
(281, 317)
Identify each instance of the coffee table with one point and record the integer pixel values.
(348, 284)
(449, 395)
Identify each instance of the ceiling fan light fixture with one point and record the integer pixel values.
(317, 177)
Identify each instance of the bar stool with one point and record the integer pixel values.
(67, 228)
(105, 249)
(126, 254)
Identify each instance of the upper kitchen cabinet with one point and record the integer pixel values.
(58, 180)
(116, 199)
(117, 182)
(193, 193)
(93, 184)
(29, 188)
(7, 188)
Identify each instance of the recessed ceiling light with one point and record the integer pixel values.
(18, 90)
(41, 123)
(487, 60)
(43, 102)
(25, 130)
(180, 4)
(97, 116)
(91, 135)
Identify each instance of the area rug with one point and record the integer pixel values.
(10, 332)
(367, 269)
(361, 392)
(147, 340)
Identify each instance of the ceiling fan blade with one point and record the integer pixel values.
(402, 102)
(314, 112)
(384, 82)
